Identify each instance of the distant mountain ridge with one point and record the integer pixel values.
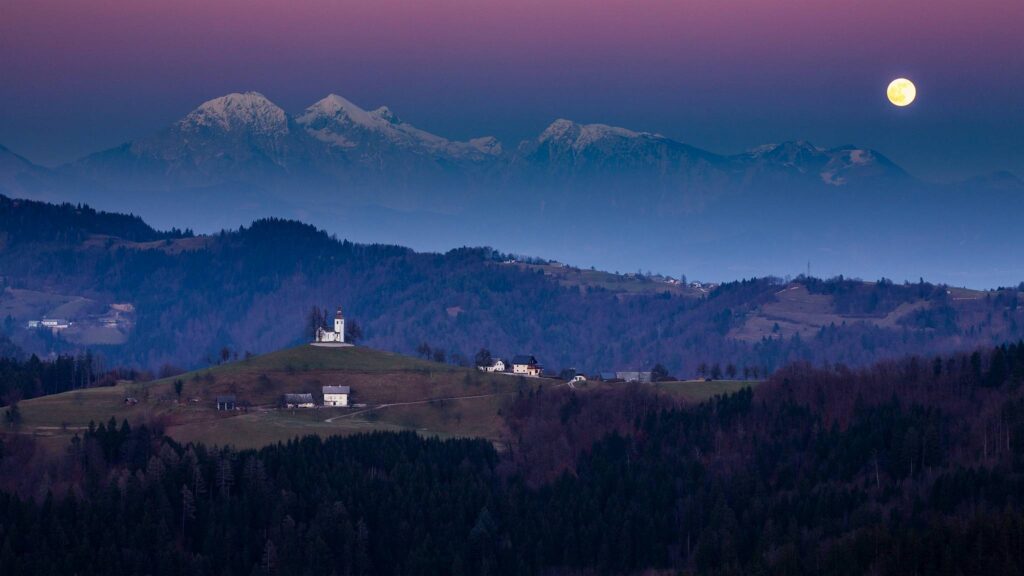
(586, 193)
(246, 137)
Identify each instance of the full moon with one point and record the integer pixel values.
(901, 92)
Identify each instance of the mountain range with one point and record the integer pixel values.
(247, 137)
(578, 192)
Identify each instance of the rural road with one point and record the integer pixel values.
(427, 401)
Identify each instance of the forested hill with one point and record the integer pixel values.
(251, 290)
(26, 221)
(908, 467)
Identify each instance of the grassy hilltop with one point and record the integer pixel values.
(394, 392)
(399, 392)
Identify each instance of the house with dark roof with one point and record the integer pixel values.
(299, 401)
(226, 402)
(336, 395)
(497, 366)
(526, 365)
(634, 376)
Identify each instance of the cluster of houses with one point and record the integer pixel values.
(521, 365)
(118, 315)
(527, 365)
(333, 397)
(53, 324)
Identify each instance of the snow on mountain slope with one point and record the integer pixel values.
(236, 137)
(569, 148)
(831, 166)
(250, 111)
(580, 136)
(244, 138)
(343, 124)
(799, 155)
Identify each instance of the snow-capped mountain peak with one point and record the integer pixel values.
(339, 122)
(385, 113)
(833, 166)
(790, 149)
(579, 136)
(337, 108)
(238, 111)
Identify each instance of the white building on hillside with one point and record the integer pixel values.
(497, 366)
(629, 376)
(526, 365)
(336, 395)
(338, 335)
(54, 324)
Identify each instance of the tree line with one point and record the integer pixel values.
(913, 466)
(252, 289)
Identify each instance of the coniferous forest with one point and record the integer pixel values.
(913, 466)
(251, 289)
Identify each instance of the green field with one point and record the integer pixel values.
(394, 392)
(398, 393)
(352, 359)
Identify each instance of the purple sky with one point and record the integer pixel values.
(80, 75)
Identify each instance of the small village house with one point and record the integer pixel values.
(526, 365)
(634, 376)
(54, 324)
(226, 402)
(299, 401)
(497, 366)
(336, 396)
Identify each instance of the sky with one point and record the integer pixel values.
(77, 76)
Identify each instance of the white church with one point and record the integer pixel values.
(336, 337)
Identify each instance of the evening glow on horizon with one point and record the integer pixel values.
(725, 75)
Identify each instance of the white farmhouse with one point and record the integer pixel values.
(526, 365)
(336, 395)
(338, 335)
(497, 366)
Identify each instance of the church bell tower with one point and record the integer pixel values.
(339, 325)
